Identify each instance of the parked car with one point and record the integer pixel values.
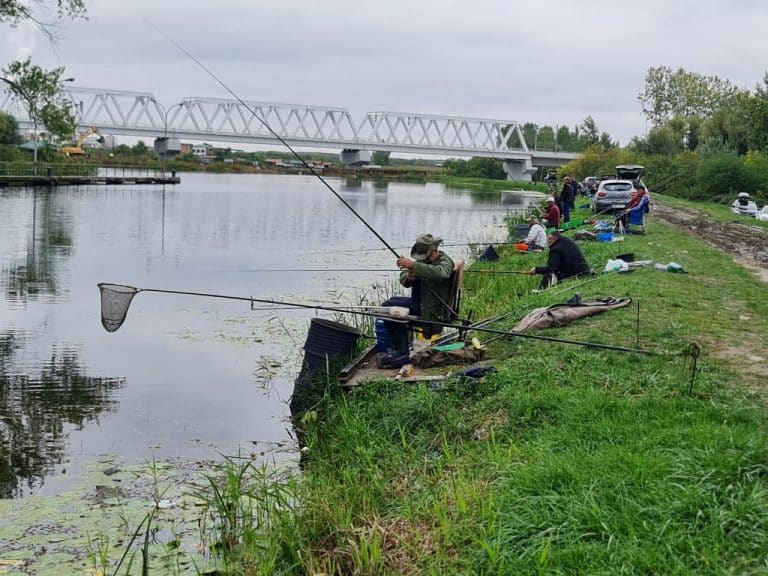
(590, 184)
(763, 214)
(616, 192)
(743, 205)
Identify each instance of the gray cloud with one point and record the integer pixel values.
(552, 61)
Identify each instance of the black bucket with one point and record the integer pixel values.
(626, 257)
(329, 344)
(327, 337)
(521, 230)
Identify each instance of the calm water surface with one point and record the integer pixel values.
(185, 377)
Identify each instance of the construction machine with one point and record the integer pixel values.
(76, 149)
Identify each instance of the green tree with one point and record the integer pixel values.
(9, 130)
(661, 140)
(476, 168)
(381, 158)
(722, 176)
(566, 140)
(545, 139)
(757, 117)
(731, 127)
(589, 132)
(39, 12)
(606, 142)
(682, 94)
(39, 90)
(140, 149)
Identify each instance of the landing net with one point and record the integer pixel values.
(115, 301)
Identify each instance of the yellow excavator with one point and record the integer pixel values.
(76, 149)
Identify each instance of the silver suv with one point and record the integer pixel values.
(615, 194)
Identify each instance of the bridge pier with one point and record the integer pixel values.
(355, 158)
(520, 170)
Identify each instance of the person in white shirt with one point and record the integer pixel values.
(537, 235)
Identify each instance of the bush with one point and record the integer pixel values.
(476, 168)
(722, 176)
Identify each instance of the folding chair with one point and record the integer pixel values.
(636, 216)
(454, 298)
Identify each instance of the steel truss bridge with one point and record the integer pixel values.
(139, 114)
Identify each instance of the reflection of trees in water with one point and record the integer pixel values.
(51, 239)
(34, 411)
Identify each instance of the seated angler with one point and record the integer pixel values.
(639, 195)
(551, 216)
(565, 261)
(537, 236)
(428, 273)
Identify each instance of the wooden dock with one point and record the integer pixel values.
(49, 174)
(46, 180)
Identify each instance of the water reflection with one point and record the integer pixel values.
(49, 243)
(37, 409)
(188, 367)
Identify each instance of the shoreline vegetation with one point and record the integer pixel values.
(566, 460)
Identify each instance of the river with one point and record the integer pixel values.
(186, 377)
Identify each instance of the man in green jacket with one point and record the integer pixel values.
(428, 273)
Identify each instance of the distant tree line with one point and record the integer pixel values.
(560, 138)
(708, 138)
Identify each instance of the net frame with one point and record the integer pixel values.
(115, 301)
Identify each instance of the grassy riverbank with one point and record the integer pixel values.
(568, 460)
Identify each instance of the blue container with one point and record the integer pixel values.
(605, 237)
(382, 336)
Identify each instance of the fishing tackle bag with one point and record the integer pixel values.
(429, 357)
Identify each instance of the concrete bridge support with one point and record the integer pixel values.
(355, 158)
(521, 170)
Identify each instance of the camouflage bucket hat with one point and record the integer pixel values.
(424, 246)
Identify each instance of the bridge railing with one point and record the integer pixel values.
(140, 113)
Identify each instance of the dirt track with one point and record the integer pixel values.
(748, 244)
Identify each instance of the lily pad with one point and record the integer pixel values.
(55, 558)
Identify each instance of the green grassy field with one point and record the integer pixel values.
(568, 460)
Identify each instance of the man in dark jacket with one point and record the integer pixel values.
(565, 261)
(567, 198)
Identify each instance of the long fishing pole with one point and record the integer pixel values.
(473, 271)
(460, 245)
(275, 134)
(117, 298)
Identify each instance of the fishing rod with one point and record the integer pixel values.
(288, 146)
(275, 134)
(117, 298)
(481, 271)
(461, 245)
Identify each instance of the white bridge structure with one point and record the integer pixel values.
(139, 114)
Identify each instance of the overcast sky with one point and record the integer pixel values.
(543, 61)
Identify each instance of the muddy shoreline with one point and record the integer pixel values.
(746, 243)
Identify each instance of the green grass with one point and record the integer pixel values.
(568, 460)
